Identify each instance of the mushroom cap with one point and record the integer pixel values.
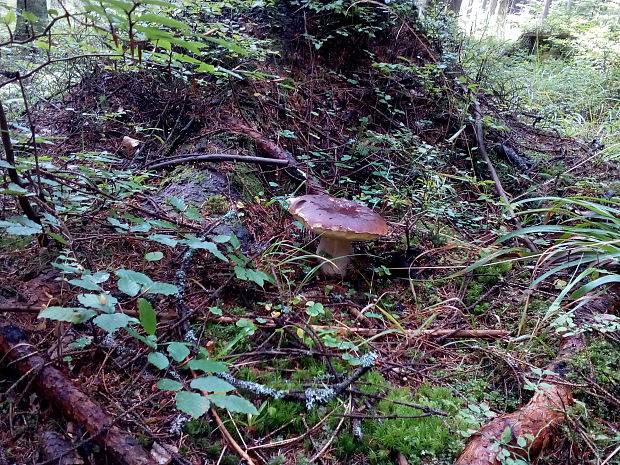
(339, 218)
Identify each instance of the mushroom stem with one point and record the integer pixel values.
(339, 252)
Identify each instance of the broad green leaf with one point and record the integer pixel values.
(14, 189)
(111, 322)
(163, 20)
(58, 237)
(129, 287)
(159, 360)
(211, 384)
(169, 385)
(209, 366)
(72, 315)
(86, 283)
(148, 318)
(140, 278)
(103, 302)
(192, 403)
(19, 230)
(178, 351)
(193, 214)
(163, 239)
(228, 44)
(233, 403)
(154, 256)
(162, 288)
(99, 277)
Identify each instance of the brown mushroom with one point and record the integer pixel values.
(339, 222)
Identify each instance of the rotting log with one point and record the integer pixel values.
(537, 421)
(62, 393)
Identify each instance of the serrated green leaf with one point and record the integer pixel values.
(148, 318)
(111, 322)
(72, 315)
(159, 360)
(153, 256)
(233, 403)
(178, 351)
(192, 403)
(177, 203)
(166, 384)
(211, 384)
(209, 366)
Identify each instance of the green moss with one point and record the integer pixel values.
(216, 205)
(415, 438)
(278, 413)
(247, 182)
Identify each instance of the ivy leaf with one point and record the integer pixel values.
(192, 403)
(159, 360)
(166, 384)
(178, 351)
(210, 366)
(111, 322)
(233, 403)
(148, 318)
(72, 315)
(211, 384)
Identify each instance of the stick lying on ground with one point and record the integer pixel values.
(536, 421)
(53, 385)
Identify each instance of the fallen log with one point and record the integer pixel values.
(535, 424)
(62, 393)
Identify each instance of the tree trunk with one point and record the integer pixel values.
(455, 6)
(25, 28)
(545, 11)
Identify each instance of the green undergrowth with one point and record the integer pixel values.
(429, 439)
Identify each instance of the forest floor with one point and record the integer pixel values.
(250, 294)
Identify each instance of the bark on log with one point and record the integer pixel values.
(60, 391)
(545, 411)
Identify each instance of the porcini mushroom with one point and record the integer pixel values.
(339, 222)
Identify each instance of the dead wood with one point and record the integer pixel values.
(213, 157)
(273, 150)
(62, 393)
(539, 418)
(59, 451)
(501, 192)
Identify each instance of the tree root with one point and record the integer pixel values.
(536, 422)
(66, 397)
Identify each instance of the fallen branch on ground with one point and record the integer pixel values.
(53, 385)
(275, 151)
(213, 157)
